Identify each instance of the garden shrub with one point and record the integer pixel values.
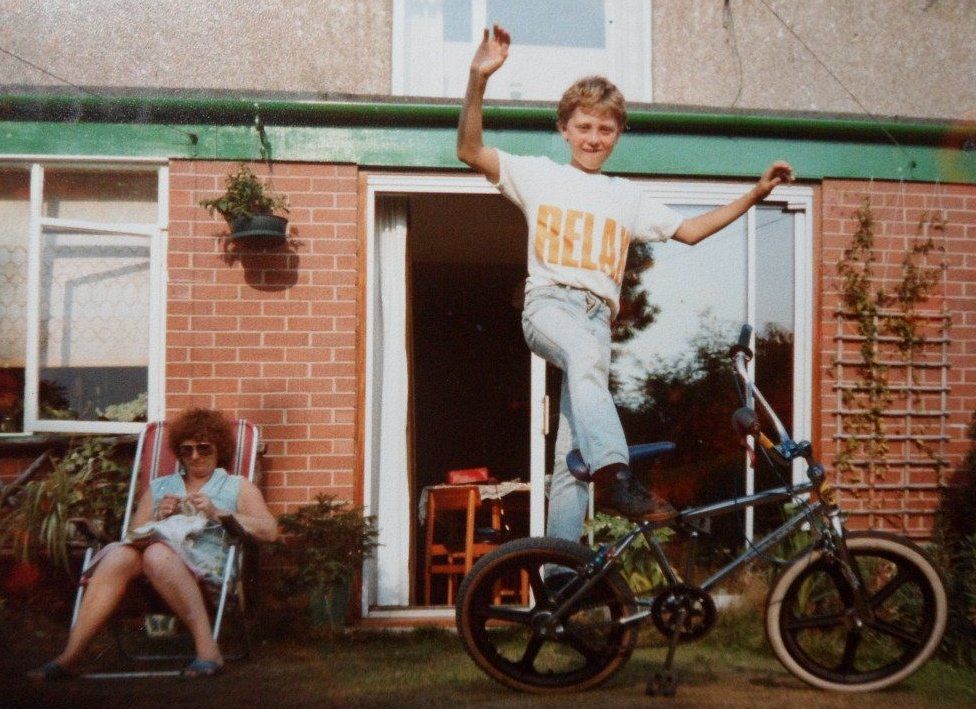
(956, 552)
(636, 564)
(87, 483)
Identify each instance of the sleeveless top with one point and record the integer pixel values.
(206, 551)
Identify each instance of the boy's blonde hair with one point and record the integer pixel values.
(593, 94)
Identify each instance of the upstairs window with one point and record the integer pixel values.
(554, 43)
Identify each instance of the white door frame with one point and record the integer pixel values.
(397, 541)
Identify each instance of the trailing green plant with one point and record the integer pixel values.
(245, 195)
(864, 302)
(881, 315)
(636, 564)
(86, 483)
(918, 279)
(326, 544)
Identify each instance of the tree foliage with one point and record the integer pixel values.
(690, 401)
(636, 311)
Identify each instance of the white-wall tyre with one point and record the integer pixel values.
(811, 626)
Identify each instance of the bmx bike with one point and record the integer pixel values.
(853, 611)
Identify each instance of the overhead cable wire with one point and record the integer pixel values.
(192, 136)
(837, 79)
(729, 22)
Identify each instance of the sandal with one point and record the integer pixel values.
(203, 668)
(50, 672)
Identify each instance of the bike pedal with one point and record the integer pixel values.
(699, 526)
(661, 684)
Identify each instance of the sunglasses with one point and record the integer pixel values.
(185, 450)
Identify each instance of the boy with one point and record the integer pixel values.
(580, 225)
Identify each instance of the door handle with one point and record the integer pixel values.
(545, 415)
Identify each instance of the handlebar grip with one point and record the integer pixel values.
(742, 345)
(745, 334)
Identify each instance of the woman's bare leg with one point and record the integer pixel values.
(181, 591)
(105, 589)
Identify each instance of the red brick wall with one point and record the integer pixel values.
(270, 335)
(898, 209)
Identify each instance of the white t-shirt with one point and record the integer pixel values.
(580, 224)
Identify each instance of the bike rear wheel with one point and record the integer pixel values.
(812, 623)
(511, 641)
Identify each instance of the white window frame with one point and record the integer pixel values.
(796, 198)
(155, 234)
(629, 46)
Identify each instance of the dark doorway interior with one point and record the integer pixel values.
(470, 365)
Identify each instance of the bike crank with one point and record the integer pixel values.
(687, 611)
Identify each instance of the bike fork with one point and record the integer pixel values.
(848, 567)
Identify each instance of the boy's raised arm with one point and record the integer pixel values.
(704, 225)
(471, 150)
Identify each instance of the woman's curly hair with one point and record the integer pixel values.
(203, 425)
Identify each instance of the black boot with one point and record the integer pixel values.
(619, 492)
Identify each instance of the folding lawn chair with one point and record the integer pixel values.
(154, 459)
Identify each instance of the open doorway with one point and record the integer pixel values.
(470, 367)
(445, 259)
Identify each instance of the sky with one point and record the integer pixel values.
(704, 286)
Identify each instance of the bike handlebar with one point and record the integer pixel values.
(745, 421)
(741, 354)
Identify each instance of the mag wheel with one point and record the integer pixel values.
(511, 639)
(816, 630)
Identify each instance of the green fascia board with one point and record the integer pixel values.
(412, 135)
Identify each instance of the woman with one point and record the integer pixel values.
(203, 442)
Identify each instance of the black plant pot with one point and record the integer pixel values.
(268, 229)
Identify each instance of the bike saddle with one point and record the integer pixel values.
(645, 451)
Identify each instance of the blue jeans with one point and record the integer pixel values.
(570, 328)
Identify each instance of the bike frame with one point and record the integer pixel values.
(844, 637)
(783, 453)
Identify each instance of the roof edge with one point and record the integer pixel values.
(198, 109)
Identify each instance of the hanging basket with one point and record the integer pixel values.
(261, 228)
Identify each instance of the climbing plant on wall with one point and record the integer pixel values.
(884, 319)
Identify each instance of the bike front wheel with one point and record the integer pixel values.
(512, 640)
(819, 634)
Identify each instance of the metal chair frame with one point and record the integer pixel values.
(153, 459)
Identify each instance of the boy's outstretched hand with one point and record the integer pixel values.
(778, 173)
(492, 52)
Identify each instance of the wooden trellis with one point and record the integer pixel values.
(893, 442)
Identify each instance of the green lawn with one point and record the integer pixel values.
(428, 668)
(431, 667)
